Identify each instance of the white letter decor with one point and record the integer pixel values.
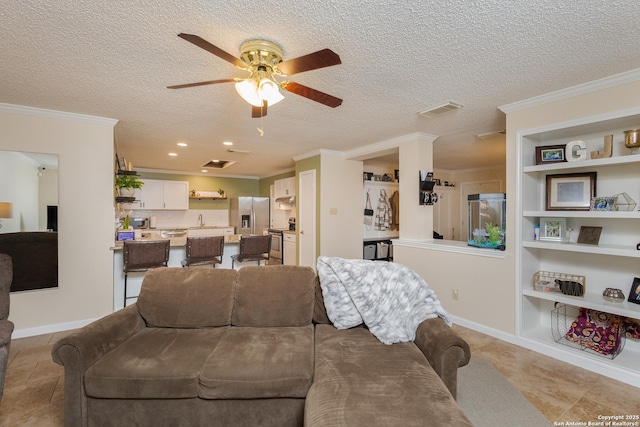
(575, 151)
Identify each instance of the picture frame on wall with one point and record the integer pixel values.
(634, 292)
(552, 229)
(550, 154)
(571, 191)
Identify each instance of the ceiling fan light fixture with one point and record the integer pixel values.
(248, 90)
(255, 90)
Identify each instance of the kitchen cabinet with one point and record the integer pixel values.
(285, 188)
(206, 232)
(613, 262)
(162, 195)
(289, 249)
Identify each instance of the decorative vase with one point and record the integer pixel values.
(127, 191)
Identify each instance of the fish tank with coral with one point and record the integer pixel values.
(487, 220)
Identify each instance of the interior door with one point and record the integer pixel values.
(467, 188)
(306, 221)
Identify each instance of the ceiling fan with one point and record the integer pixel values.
(263, 60)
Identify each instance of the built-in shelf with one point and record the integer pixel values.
(584, 214)
(590, 300)
(611, 263)
(591, 163)
(615, 250)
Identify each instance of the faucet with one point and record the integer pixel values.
(200, 221)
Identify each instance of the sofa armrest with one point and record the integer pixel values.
(444, 349)
(81, 349)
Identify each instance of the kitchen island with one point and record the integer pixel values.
(178, 241)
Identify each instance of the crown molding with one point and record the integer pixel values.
(387, 147)
(581, 89)
(318, 152)
(53, 114)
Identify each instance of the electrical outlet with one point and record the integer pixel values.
(455, 294)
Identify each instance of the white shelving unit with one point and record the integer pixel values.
(612, 263)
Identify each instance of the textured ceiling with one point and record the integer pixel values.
(115, 58)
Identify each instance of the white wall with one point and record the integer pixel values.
(85, 149)
(485, 285)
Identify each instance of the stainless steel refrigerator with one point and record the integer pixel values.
(249, 215)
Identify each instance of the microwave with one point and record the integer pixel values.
(139, 222)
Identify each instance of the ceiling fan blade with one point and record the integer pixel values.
(200, 42)
(320, 59)
(257, 112)
(312, 94)
(209, 82)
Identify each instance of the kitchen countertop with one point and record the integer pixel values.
(289, 231)
(175, 241)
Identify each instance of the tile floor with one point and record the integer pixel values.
(34, 387)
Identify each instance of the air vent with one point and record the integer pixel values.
(490, 135)
(218, 164)
(440, 109)
(234, 150)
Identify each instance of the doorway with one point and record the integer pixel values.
(306, 221)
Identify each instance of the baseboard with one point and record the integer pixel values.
(50, 329)
(501, 335)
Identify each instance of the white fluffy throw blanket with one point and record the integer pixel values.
(390, 298)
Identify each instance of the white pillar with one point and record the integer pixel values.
(416, 221)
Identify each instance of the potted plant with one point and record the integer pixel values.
(128, 184)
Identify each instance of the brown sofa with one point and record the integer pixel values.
(220, 347)
(6, 326)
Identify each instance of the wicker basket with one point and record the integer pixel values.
(595, 332)
(548, 281)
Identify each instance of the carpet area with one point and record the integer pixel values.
(489, 400)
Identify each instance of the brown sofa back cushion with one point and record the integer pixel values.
(277, 295)
(187, 297)
(319, 310)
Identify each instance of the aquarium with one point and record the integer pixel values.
(487, 220)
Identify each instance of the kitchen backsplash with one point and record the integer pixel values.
(186, 219)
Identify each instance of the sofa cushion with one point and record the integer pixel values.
(319, 310)
(187, 297)
(360, 381)
(155, 363)
(278, 295)
(251, 363)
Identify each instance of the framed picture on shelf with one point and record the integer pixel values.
(589, 235)
(603, 204)
(570, 191)
(550, 154)
(634, 292)
(552, 229)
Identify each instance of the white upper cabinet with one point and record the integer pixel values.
(162, 195)
(285, 187)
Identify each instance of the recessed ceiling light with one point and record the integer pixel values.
(173, 154)
(227, 143)
(215, 161)
(204, 170)
(182, 144)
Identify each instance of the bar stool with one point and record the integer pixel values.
(204, 250)
(142, 256)
(253, 248)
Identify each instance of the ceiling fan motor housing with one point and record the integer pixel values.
(261, 52)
